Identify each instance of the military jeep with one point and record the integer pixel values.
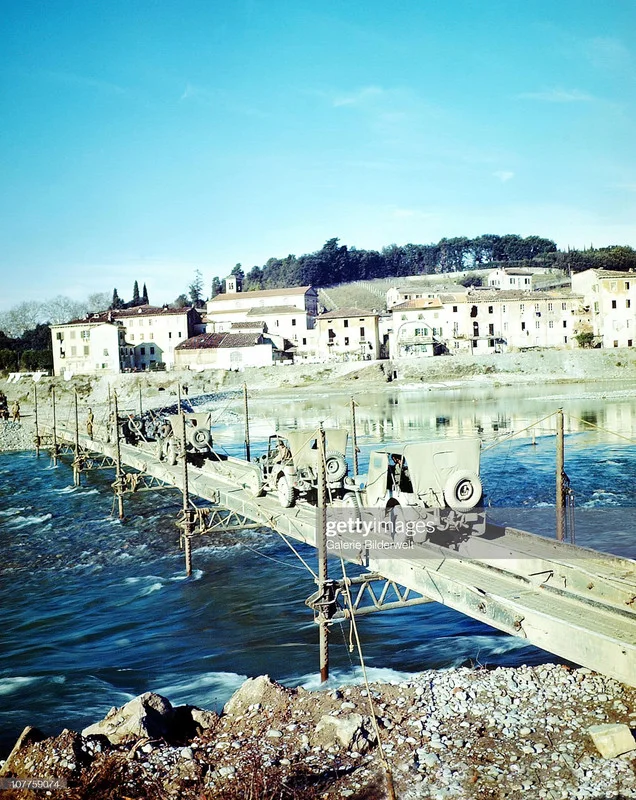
(290, 465)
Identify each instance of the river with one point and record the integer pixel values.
(95, 611)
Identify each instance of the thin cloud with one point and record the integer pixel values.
(558, 96)
(358, 98)
(608, 53)
(504, 175)
(71, 79)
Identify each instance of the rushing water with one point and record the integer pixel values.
(94, 611)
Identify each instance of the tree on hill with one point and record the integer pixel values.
(217, 287)
(116, 302)
(144, 296)
(135, 298)
(195, 289)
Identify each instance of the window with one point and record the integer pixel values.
(503, 308)
(132, 337)
(345, 324)
(522, 307)
(72, 334)
(142, 350)
(454, 309)
(106, 352)
(475, 329)
(615, 342)
(551, 324)
(491, 342)
(491, 309)
(537, 324)
(536, 306)
(627, 284)
(612, 286)
(152, 336)
(473, 311)
(169, 334)
(304, 341)
(402, 317)
(86, 349)
(613, 303)
(491, 329)
(59, 336)
(331, 334)
(475, 342)
(152, 351)
(85, 334)
(73, 350)
(523, 326)
(629, 342)
(565, 340)
(346, 340)
(565, 323)
(294, 321)
(362, 331)
(549, 306)
(179, 334)
(564, 306)
(505, 326)
(628, 303)
(596, 306)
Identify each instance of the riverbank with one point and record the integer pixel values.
(460, 733)
(536, 367)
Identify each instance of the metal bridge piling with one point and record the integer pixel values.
(560, 472)
(119, 475)
(188, 521)
(321, 541)
(247, 424)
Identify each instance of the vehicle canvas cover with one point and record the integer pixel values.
(429, 465)
(304, 444)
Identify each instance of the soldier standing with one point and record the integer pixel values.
(90, 419)
(15, 411)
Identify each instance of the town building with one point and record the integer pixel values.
(229, 351)
(483, 322)
(610, 297)
(348, 334)
(146, 339)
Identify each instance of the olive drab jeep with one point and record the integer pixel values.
(441, 477)
(198, 437)
(290, 466)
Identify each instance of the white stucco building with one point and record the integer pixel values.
(610, 297)
(146, 338)
(229, 351)
(348, 333)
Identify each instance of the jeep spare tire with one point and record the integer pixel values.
(335, 465)
(463, 490)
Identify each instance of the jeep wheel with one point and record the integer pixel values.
(286, 494)
(335, 465)
(463, 490)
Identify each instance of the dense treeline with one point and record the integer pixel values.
(336, 263)
(31, 351)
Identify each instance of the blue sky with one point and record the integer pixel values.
(146, 139)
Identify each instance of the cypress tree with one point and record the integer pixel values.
(135, 299)
(144, 296)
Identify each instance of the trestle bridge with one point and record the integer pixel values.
(576, 603)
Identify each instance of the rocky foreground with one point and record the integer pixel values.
(530, 732)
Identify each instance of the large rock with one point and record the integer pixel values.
(147, 716)
(612, 740)
(61, 756)
(353, 732)
(256, 691)
(29, 736)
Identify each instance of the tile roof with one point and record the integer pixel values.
(256, 324)
(207, 341)
(340, 313)
(125, 313)
(420, 302)
(294, 290)
(269, 310)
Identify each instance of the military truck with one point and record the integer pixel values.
(290, 466)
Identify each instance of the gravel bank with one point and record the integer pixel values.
(473, 734)
(15, 436)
